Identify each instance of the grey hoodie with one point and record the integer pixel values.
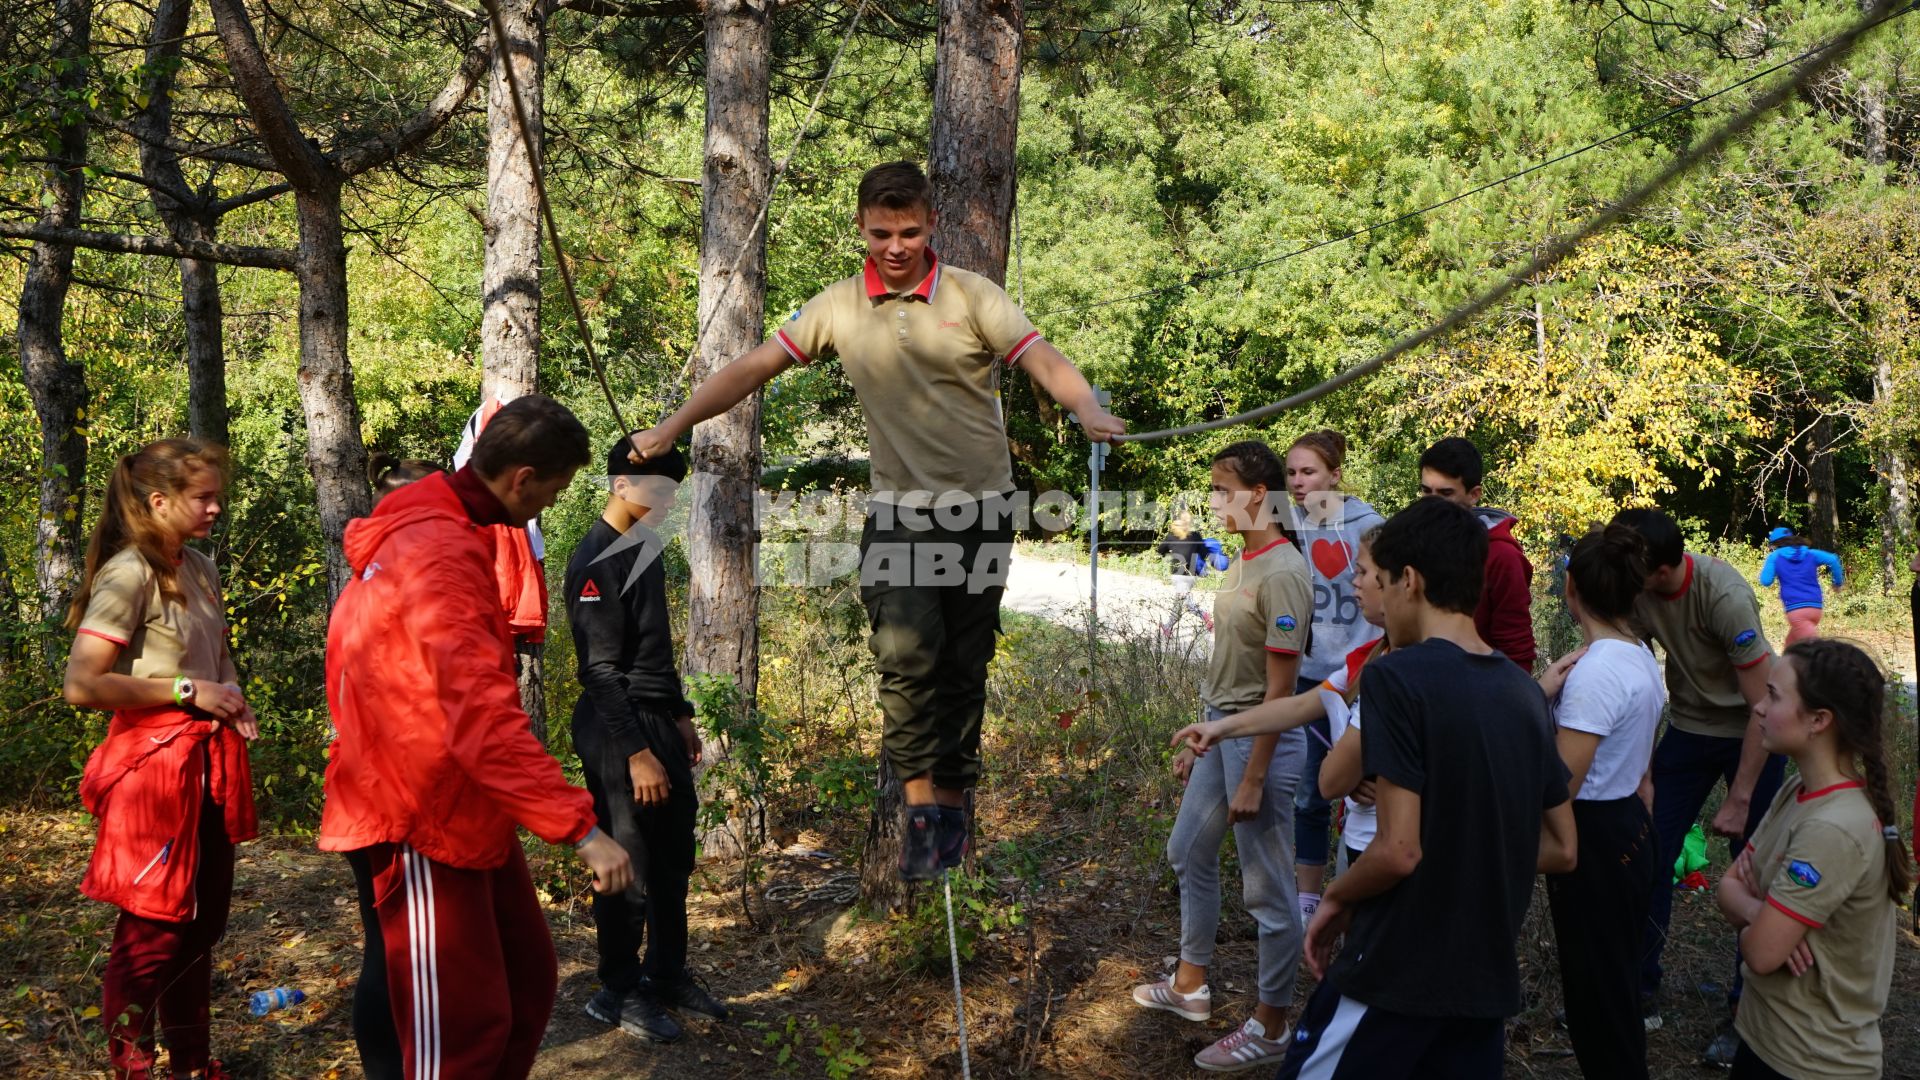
(1330, 548)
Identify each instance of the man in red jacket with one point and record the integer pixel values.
(434, 767)
(1453, 469)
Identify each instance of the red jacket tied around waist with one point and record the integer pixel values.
(434, 749)
(145, 783)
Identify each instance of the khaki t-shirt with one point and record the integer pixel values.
(926, 366)
(159, 639)
(1710, 630)
(1265, 604)
(1825, 865)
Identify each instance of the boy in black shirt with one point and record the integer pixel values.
(633, 729)
(1472, 800)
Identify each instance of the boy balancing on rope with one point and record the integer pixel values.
(922, 343)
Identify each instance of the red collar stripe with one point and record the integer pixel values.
(1685, 583)
(1809, 796)
(1020, 350)
(877, 289)
(1246, 555)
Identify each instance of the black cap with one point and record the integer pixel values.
(672, 464)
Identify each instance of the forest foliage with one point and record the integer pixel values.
(1691, 358)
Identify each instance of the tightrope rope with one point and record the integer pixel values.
(959, 1001)
(1563, 245)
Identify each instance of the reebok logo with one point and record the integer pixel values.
(590, 594)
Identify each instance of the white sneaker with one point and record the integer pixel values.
(1197, 1006)
(1247, 1048)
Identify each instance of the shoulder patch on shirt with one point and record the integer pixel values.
(591, 592)
(1286, 622)
(1745, 638)
(1803, 874)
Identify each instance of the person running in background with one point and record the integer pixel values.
(1472, 802)
(1189, 556)
(171, 784)
(1261, 619)
(633, 729)
(1814, 896)
(1795, 566)
(1607, 698)
(435, 767)
(1329, 524)
(1453, 469)
(1703, 613)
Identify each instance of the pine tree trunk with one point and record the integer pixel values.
(56, 384)
(1823, 507)
(976, 126)
(206, 346)
(723, 601)
(510, 320)
(336, 455)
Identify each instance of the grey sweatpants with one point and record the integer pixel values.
(1265, 845)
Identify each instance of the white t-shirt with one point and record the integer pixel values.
(1362, 822)
(1615, 692)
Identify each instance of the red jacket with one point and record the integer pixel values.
(1505, 615)
(143, 783)
(433, 749)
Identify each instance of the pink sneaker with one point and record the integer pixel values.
(1247, 1048)
(1197, 1006)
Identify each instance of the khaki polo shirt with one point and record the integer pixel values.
(1265, 604)
(1824, 864)
(159, 638)
(1710, 630)
(926, 366)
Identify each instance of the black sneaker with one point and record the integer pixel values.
(952, 837)
(634, 1014)
(686, 994)
(920, 844)
(1723, 1049)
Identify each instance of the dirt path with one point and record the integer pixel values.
(1131, 605)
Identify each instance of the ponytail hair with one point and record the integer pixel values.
(1327, 444)
(1839, 677)
(1609, 567)
(167, 466)
(389, 473)
(1254, 462)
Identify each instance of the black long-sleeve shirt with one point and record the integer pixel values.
(621, 633)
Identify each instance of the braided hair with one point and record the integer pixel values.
(1842, 679)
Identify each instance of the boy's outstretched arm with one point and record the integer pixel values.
(1063, 382)
(722, 391)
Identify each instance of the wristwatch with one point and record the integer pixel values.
(183, 690)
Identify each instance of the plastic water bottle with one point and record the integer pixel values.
(266, 1001)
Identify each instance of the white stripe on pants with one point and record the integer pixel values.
(423, 952)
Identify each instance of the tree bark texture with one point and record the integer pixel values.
(976, 114)
(189, 215)
(336, 455)
(723, 635)
(1896, 516)
(57, 385)
(1823, 501)
(510, 319)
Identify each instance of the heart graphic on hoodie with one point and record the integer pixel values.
(1332, 557)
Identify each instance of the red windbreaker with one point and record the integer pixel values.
(433, 749)
(143, 783)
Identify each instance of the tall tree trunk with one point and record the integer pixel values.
(57, 385)
(336, 455)
(723, 631)
(976, 115)
(1896, 515)
(510, 320)
(189, 215)
(1823, 502)
(976, 126)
